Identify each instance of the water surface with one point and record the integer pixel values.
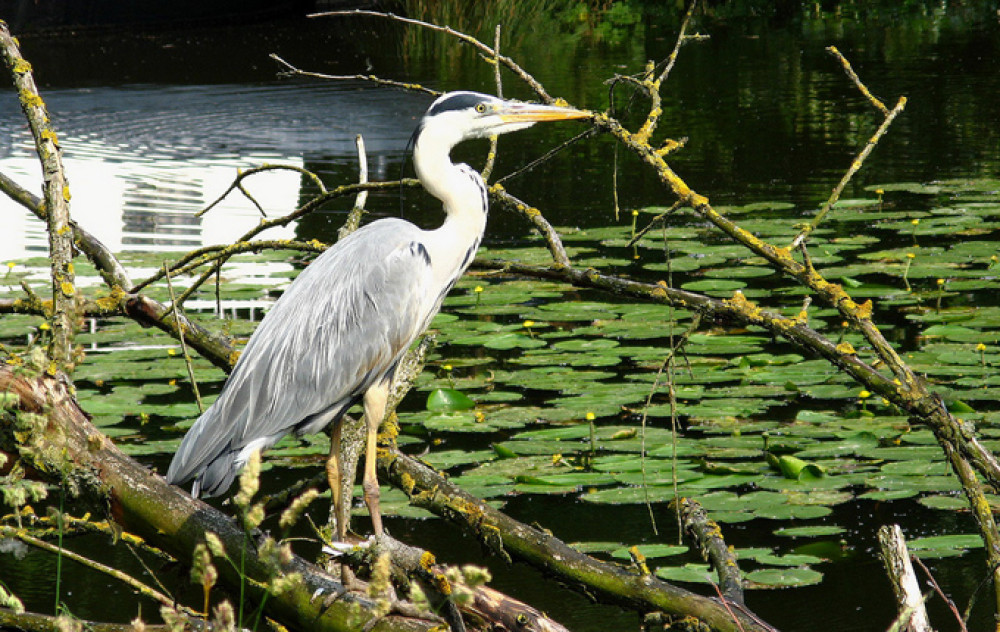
(154, 126)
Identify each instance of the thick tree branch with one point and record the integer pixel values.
(54, 437)
(56, 192)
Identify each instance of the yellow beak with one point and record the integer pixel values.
(534, 113)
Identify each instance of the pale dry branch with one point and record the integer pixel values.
(354, 217)
(483, 49)
(292, 71)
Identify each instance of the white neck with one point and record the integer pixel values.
(463, 194)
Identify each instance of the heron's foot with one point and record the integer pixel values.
(341, 552)
(350, 580)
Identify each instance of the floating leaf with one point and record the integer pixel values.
(811, 531)
(449, 400)
(650, 551)
(783, 578)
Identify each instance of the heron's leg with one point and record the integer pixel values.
(375, 400)
(335, 480)
(341, 510)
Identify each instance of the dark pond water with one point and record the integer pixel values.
(155, 123)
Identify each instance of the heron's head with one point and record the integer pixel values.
(465, 115)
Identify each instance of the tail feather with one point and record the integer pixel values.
(209, 460)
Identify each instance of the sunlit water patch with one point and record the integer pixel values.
(143, 161)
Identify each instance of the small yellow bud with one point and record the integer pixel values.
(11, 264)
(879, 192)
(635, 213)
(591, 417)
(910, 255)
(915, 221)
(478, 289)
(529, 323)
(940, 281)
(171, 352)
(980, 347)
(44, 327)
(864, 394)
(447, 367)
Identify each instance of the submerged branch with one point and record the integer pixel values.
(708, 536)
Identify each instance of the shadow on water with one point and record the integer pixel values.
(157, 122)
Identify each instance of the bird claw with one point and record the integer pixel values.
(339, 549)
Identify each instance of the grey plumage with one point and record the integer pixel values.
(357, 307)
(336, 335)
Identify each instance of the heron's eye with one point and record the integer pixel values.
(481, 108)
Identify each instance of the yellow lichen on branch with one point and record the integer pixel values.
(56, 201)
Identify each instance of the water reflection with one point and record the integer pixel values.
(142, 161)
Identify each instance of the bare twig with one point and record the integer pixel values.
(491, 157)
(237, 184)
(549, 154)
(135, 584)
(681, 36)
(933, 582)
(291, 70)
(857, 81)
(180, 336)
(653, 223)
(484, 49)
(668, 366)
(853, 169)
(536, 218)
(652, 86)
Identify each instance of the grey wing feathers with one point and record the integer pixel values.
(338, 329)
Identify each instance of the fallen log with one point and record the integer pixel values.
(42, 424)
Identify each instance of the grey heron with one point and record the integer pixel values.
(335, 336)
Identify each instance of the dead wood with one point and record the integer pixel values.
(51, 434)
(509, 538)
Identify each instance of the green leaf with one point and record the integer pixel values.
(448, 400)
(783, 577)
(651, 551)
(816, 530)
(503, 451)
